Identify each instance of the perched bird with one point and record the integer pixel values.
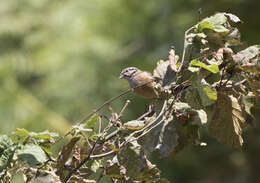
(141, 81)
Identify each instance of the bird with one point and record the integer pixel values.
(142, 82)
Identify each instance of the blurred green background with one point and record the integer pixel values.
(61, 59)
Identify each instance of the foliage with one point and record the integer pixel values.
(211, 86)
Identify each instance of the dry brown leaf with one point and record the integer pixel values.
(227, 122)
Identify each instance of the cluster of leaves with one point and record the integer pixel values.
(210, 86)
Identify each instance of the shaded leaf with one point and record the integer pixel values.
(32, 154)
(163, 73)
(64, 154)
(92, 121)
(200, 88)
(249, 101)
(198, 117)
(114, 169)
(137, 166)
(33, 175)
(168, 138)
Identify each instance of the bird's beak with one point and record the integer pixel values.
(121, 76)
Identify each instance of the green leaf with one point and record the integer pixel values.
(46, 135)
(21, 132)
(210, 92)
(7, 149)
(204, 25)
(212, 68)
(32, 154)
(215, 22)
(92, 121)
(95, 165)
(193, 69)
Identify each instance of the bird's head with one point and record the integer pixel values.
(128, 72)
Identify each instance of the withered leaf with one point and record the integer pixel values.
(64, 154)
(227, 121)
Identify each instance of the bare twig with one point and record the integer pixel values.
(185, 46)
(82, 162)
(123, 109)
(240, 82)
(100, 107)
(146, 127)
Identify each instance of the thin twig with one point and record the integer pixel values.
(240, 82)
(185, 46)
(100, 107)
(97, 156)
(82, 162)
(123, 109)
(141, 130)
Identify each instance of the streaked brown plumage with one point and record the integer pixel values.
(142, 81)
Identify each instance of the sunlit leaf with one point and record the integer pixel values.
(212, 68)
(21, 132)
(134, 125)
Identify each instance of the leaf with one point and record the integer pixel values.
(198, 117)
(114, 170)
(215, 23)
(200, 88)
(64, 154)
(21, 132)
(95, 165)
(81, 128)
(212, 68)
(233, 18)
(45, 135)
(32, 154)
(227, 120)
(204, 25)
(34, 175)
(247, 54)
(248, 59)
(249, 101)
(168, 138)
(163, 73)
(134, 125)
(92, 121)
(137, 166)
(7, 149)
(210, 92)
(193, 69)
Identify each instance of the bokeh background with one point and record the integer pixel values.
(61, 59)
